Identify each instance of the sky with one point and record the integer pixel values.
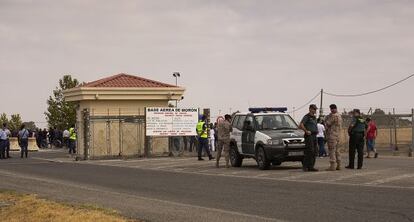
(231, 54)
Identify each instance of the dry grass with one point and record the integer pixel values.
(20, 208)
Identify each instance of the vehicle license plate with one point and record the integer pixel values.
(300, 153)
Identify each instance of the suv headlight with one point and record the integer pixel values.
(274, 142)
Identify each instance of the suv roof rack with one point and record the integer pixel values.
(268, 109)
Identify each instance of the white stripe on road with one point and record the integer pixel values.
(390, 179)
(104, 190)
(358, 174)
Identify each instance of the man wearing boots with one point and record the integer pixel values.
(333, 131)
(356, 141)
(224, 129)
(309, 126)
(202, 131)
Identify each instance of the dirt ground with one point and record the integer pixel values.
(27, 207)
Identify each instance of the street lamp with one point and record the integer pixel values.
(176, 76)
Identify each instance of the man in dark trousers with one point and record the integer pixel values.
(309, 126)
(202, 132)
(356, 139)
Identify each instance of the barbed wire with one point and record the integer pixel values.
(370, 92)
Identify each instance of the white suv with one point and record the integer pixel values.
(268, 135)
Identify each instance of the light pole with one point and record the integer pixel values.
(176, 75)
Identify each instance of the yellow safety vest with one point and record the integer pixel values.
(202, 133)
(72, 134)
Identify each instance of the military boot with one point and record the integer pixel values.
(338, 166)
(332, 167)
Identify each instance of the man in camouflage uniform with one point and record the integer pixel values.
(333, 132)
(224, 129)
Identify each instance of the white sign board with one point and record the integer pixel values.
(164, 121)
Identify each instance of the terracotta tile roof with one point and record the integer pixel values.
(125, 80)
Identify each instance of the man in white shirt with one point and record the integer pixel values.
(66, 136)
(212, 138)
(7, 143)
(3, 138)
(321, 138)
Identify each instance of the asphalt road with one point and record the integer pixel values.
(166, 189)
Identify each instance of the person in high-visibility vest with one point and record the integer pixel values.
(72, 140)
(202, 132)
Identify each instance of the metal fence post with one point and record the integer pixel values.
(86, 133)
(410, 153)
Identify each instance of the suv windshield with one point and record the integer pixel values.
(275, 122)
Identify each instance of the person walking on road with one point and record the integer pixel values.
(202, 132)
(23, 138)
(372, 133)
(356, 141)
(72, 140)
(333, 123)
(224, 129)
(321, 138)
(309, 126)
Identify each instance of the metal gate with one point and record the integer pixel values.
(116, 136)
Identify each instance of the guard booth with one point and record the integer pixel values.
(111, 116)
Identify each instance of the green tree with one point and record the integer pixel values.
(61, 114)
(30, 125)
(3, 119)
(15, 122)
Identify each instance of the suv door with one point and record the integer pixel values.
(248, 135)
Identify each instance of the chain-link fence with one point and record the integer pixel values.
(395, 130)
(110, 133)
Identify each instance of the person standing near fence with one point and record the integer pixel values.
(202, 132)
(321, 138)
(309, 126)
(333, 123)
(372, 133)
(356, 141)
(224, 129)
(23, 138)
(72, 140)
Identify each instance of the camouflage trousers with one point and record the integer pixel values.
(223, 146)
(334, 154)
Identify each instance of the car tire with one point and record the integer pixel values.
(261, 159)
(236, 159)
(276, 163)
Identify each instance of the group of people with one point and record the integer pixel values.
(319, 131)
(23, 140)
(42, 137)
(222, 131)
(57, 138)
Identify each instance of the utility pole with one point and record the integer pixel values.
(321, 107)
(176, 75)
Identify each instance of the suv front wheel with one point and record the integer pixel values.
(262, 161)
(235, 158)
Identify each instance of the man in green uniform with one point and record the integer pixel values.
(309, 126)
(356, 139)
(72, 140)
